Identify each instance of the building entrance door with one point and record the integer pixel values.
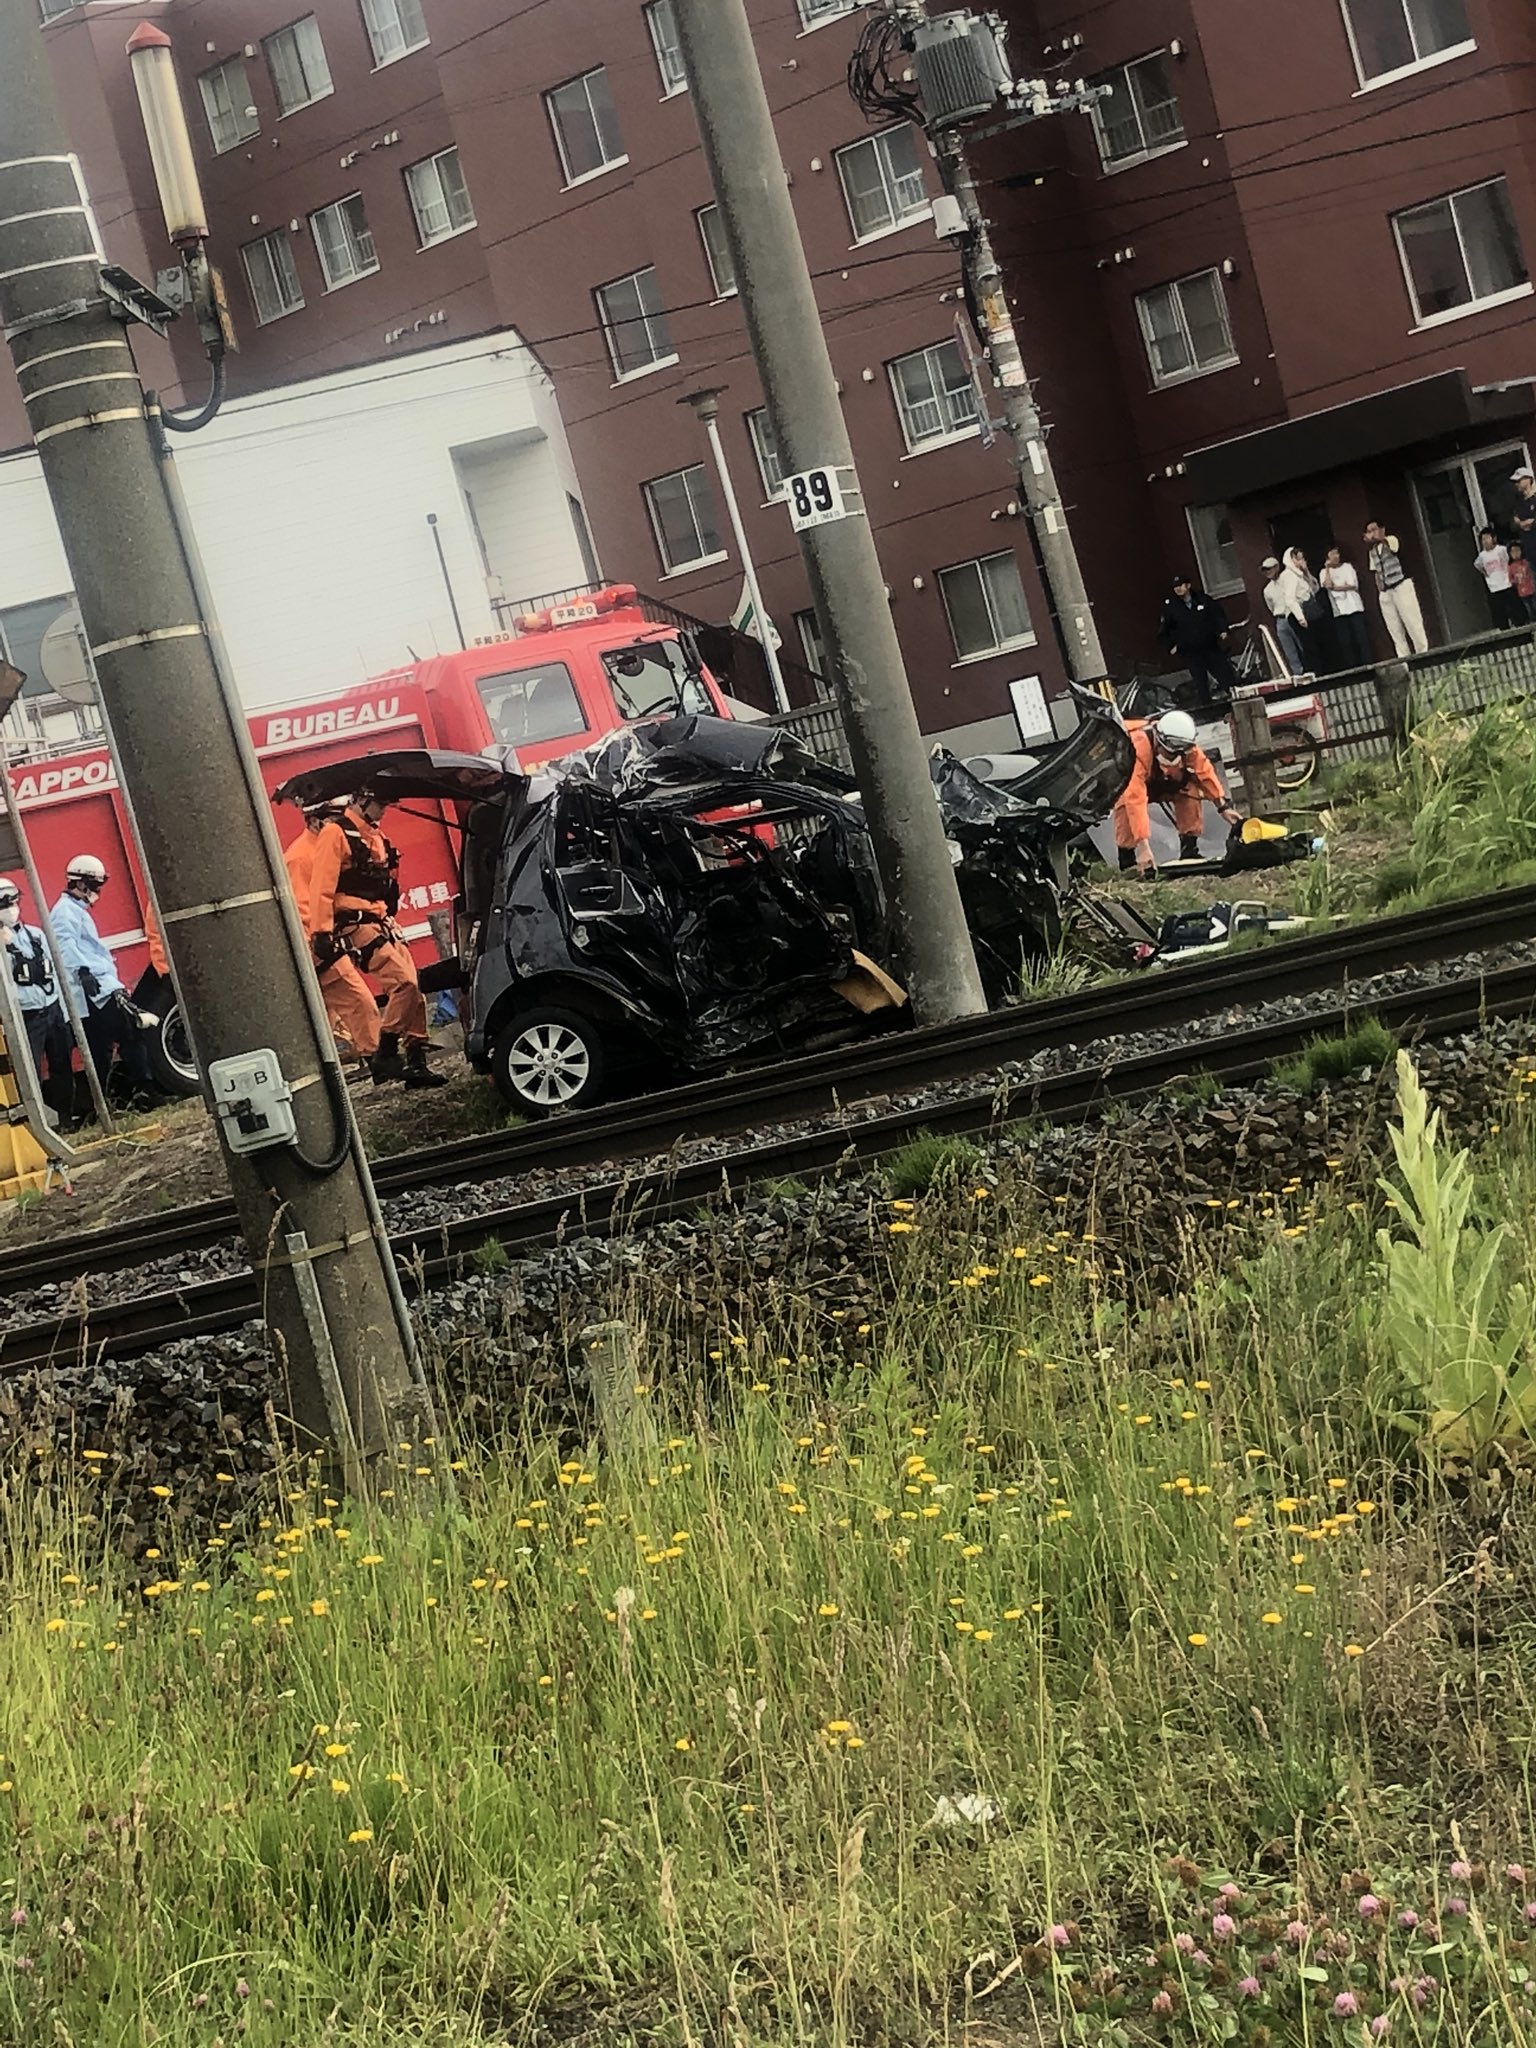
(1455, 499)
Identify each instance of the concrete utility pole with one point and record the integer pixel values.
(1037, 476)
(331, 1298)
(784, 323)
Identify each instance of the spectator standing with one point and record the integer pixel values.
(1400, 606)
(1300, 594)
(1523, 578)
(1341, 580)
(1287, 631)
(1194, 627)
(1523, 518)
(1504, 600)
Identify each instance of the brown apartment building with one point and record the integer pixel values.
(387, 176)
(1278, 282)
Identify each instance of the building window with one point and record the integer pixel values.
(1460, 251)
(586, 126)
(883, 181)
(529, 707)
(986, 606)
(272, 277)
(52, 9)
(343, 239)
(717, 251)
(227, 104)
(661, 20)
(635, 324)
(395, 28)
(814, 12)
(1141, 115)
(812, 646)
(765, 446)
(934, 395)
(1390, 36)
(682, 509)
(1210, 529)
(439, 197)
(296, 59)
(1185, 327)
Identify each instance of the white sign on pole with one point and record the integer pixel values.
(1029, 710)
(815, 498)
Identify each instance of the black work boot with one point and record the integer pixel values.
(417, 1073)
(1189, 846)
(387, 1064)
(1127, 859)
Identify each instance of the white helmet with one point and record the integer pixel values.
(85, 867)
(1175, 732)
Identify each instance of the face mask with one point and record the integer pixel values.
(10, 913)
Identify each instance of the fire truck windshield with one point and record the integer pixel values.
(531, 706)
(652, 679)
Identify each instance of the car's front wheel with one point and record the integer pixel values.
(547, 1060)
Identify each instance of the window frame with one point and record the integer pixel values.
(613, 163)
(1009, 644)
(539, 672)
(703, 561)
(425, 163)
(238, 114)
(768, 454)
(814, 16)
(661, 50)
(406, 49)
(879, 142)
(731, 290)
(1110, 164)
(275, 238)
(1227, 586)
(1379, 78)
(652, 318)
(336, 206)
(290, 28)
(1505, 296)
(1233, 357)
(946, 436)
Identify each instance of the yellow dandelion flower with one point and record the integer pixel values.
(1365, 1507)
(340, 1787)
(1304, 1590)
(983, 1635)
(828, 1608)
(319, 1607)
(1199, 1641)
(301, 1771)
(337, 1748)
(53, 1627)
(1242, 1521)
(683, 1743)
(839, 1727)
(372, 1557)
(1013, 1614)
(1353, 1650)
(361, 1835)
(265, 1594)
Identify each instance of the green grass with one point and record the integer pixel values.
(1081, 1578)
(1368, 1044)
(1194, 1090)
(929, 1161)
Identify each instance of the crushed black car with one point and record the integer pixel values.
(694, 894)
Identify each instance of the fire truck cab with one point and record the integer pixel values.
(568, 673)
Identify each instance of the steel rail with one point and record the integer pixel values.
(818, 1083)
(431, 1255)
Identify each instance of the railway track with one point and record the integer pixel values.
(827, 1082)
(653, 1194)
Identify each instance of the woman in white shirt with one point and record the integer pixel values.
(1341, 580)
(1297, 590)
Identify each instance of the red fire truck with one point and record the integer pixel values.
(571, 671)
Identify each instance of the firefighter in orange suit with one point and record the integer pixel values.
(1170, 768)
(349, 1001)
(354, 893)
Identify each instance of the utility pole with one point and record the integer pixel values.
(868, 675)
(1037, 475)
(331, 1298)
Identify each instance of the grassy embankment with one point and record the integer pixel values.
(1053, 1661)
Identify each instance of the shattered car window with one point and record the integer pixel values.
(652, 679)
(530, 706)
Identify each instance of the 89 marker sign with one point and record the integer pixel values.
(815, 498)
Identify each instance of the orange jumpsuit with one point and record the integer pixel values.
(366, 924)
(349, 1002)
(1185, 785)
